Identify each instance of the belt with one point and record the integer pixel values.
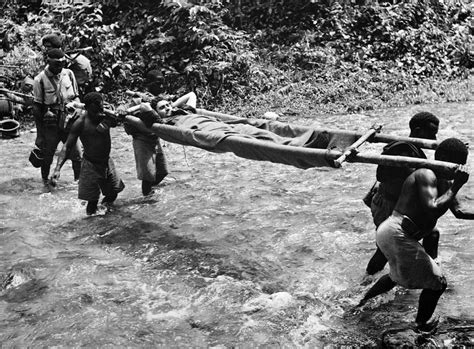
(104, 163)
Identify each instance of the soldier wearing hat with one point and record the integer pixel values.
(54, 89)
(78, 63)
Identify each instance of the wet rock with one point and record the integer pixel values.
(25, 292)
(270, 115)
(17, 275)
(445, 337)
(272, 287)
(86, 299)
(276, 301)
(400, 338)
(20, 284)
(199, 324)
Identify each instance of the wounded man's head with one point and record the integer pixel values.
(164, 108)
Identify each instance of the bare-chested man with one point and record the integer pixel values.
(424, 198)
(390, 181)
(98, 171)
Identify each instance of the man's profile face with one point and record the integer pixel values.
(427, 131)
(98, 107)
(95, 108)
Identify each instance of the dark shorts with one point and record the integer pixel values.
(149, 160)
(381, 208)
(95, 179)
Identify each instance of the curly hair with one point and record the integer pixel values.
(452, 150)
(54, 40)
(154, 75)
(422, 119)
(92, 98)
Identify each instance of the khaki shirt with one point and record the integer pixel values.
(44, 91)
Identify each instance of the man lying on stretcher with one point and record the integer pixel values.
(182, 113)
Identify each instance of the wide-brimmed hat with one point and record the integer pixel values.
(56, 55)
(36, 157)
(9, 128)
(27, 81)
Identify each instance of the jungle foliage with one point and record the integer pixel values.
(226, 49)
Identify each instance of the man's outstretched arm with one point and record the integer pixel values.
(66, 149)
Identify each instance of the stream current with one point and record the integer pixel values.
(227, 253)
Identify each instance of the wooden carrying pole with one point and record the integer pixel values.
(446, 168)
(79, 105)
(353, 147)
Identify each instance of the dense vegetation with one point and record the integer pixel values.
(253, 56)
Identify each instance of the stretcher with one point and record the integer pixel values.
(344, 146)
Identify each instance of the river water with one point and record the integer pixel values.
(228, 252)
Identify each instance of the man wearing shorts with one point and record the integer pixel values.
(425, 197)
(390, 180)
(150, 161)
(98, 172)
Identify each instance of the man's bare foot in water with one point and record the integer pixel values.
(101, 210)
(46, 186)
(428, 327)
(367, 280)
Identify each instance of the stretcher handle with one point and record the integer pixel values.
(353, 147)
(130, 110)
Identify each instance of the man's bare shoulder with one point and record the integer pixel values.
(78, 125)
(80, 116)
(424, 175)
